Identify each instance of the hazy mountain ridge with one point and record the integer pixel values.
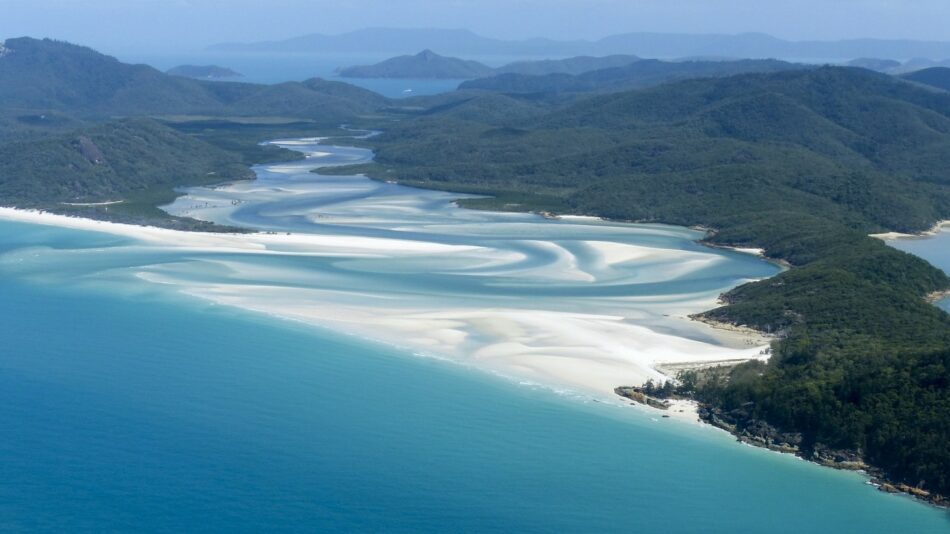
(938, 77)
(658, 45)
(639, 74)
(429, 65)
(572, 65)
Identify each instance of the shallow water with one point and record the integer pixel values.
(130, 405)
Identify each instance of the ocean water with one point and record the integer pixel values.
(131, 408)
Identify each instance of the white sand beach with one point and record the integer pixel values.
(592, 352)
(936, 229)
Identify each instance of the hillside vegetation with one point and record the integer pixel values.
(938, 77)
(133, 163)
(630, 75)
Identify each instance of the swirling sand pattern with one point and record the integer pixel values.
(576, 303)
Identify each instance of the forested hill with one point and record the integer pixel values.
(429, 65)
(938, 77)
(424, 65)
(117, 170)
(847, 145)
(802, 163)
(52, 76)
(634, 75)
(571, 65)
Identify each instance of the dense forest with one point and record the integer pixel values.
(630, 75)
(938, 77)
(802, 162)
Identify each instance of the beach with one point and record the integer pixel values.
(587, 352)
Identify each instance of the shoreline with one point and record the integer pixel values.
(583, 352)
(934, 230)
(757, 252)
(760, 434)
(936, 296)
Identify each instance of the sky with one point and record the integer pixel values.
(149, 25)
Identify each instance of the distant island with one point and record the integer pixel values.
(204, 72)
(424, 65)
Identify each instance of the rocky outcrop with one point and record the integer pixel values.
(637, 395)
(747, 429)
(757, 432)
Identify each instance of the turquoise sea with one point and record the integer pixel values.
(127, 405)
(140, 411)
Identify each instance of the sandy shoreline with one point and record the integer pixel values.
(936, 229)
(584, 352)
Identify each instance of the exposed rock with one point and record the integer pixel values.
(741, 423)
(748, 429)
(90, 151)
(637, 394)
